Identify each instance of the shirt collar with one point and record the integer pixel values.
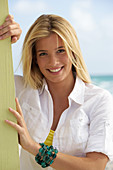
(44, 86)
(77, 93)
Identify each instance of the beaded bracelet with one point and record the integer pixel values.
(46, 155)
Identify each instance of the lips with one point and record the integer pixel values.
(55, 70)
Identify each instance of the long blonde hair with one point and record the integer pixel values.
(43, 27)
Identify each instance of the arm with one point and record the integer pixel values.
(10, 29)
(92, 161)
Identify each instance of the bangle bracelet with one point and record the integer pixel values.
(46, 155)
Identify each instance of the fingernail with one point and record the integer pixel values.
(0, 38)
(7, 18)
(6, 120)
(1, 26)
(16, 99)
(10, 109)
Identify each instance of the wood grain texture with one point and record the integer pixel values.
(9, 153)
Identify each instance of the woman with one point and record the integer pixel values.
(59, 105)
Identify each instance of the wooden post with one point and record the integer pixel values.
(9, 153)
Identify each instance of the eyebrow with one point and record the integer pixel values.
(47, 50)
(59, 47)
(41, 51)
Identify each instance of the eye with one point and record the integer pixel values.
(43, 54)
(61, 51)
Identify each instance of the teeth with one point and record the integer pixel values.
(56, 70)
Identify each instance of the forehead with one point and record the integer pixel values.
(52, 41)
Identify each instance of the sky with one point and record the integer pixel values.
(91, 19)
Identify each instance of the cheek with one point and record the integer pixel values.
(69, 64)
(67, 61)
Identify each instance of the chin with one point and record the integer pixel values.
(56, 80)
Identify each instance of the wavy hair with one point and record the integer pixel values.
(43, 27)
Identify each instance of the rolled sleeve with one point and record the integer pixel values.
(101, 127)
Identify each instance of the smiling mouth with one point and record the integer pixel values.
(55, 70)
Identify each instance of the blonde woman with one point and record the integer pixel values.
(64, 121)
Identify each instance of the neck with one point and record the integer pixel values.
(61, 89)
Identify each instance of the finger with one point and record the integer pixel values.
(18, 117)
(9, 17)
(8, 29)
(14, 125)
(6, 23)
(14, 39)
(18, 108)
(10, 33)
(4, 36)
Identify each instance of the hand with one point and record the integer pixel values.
(25, 140)
(10, 29)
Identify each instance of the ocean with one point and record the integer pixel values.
(104, 81)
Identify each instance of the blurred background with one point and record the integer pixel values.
(93, 23)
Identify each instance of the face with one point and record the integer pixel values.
(52, 59)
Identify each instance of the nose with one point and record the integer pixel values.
(53, 60)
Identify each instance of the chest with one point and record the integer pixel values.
(72, 129)
(58, 109)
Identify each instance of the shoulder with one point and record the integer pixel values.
(98, 93)
(99, 101)
(20, 88)
(19, 81)
(25, 94)
(19, 84)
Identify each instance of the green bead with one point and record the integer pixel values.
(37, 158)
(46, 155)
(41, 150)
(49, 153)
(51, 147)
(51, 162)
(55, 150)
(47, 158)
(47, 161)
(54, 156)
(43, 153)
(42, 144)
(39, 162)
(43, 164)
(51, 150)
(45, 147)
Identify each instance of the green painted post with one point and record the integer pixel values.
(9, 153)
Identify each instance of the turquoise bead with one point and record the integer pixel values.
(43, 164)
(40, 150)
(51, 147)
(56, 151)
(51, 162)
(49, 153)
(54, 156)
(46, 155)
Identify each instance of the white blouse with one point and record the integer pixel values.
(85, 126)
